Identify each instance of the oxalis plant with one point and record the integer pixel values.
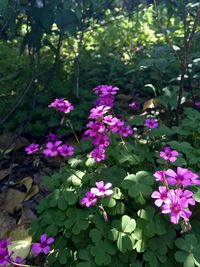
(127, 196)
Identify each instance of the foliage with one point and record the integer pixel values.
(136, 234)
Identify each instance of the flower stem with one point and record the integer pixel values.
(72, 128)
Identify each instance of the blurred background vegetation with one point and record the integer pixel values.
(63, 48)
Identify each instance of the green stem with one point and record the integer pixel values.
(72, 128)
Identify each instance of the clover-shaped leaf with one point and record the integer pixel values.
(101, 252)
(77, 220)
(121, 232)
(137, 184)
(190, 251)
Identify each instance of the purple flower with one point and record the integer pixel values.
(151, 123)
(98, 112)
(105, 90)
(102, 189)
(19, 261)
(161, 196)
(4, 255)
(134, 105)
(98, 153)
(168, 154)
(43, 246)
(32, 148)
(52, 149)
(126, 131)
(89, 200)
(182, 177)
(62, 105)
(53, 138)
(177, 207)
(160, 176)
(197, 104)
(66, 150)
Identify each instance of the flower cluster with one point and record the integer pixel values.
(168, 154)
(62, 105)
(175, 201)
(54, 147)
(102, 122)
(7, 258)
(101, 190)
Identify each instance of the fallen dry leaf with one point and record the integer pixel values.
(27, 216)
(27, 181)
(19, 232)
(12, 200)
(151, 103)
(4, 173)
(6, 222)
(32, 192)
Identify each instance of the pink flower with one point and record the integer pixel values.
(107, 101)
(52, 149)
(109, 120)
(187, 194)
(95, 129)
(126, 131)
(160, 176)
(134, 105)
(98, 112)
(177, 207)
(66, 150)
(102, 190)
(105, 90)
(168, 154)
(62, 105)
(98, 154)
(151, 123)
(183, 177)
(116, 127)
(32, 148)
(162, 196)
(43, 246)
(89, 200)
(101, 140)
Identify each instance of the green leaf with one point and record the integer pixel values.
(128, 225)
(109, 202)
(125, 242)
(180, 256)
(151, 258)
(95, 235)
(70, 196)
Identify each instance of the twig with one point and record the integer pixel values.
(19, 100)
(187, 42)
